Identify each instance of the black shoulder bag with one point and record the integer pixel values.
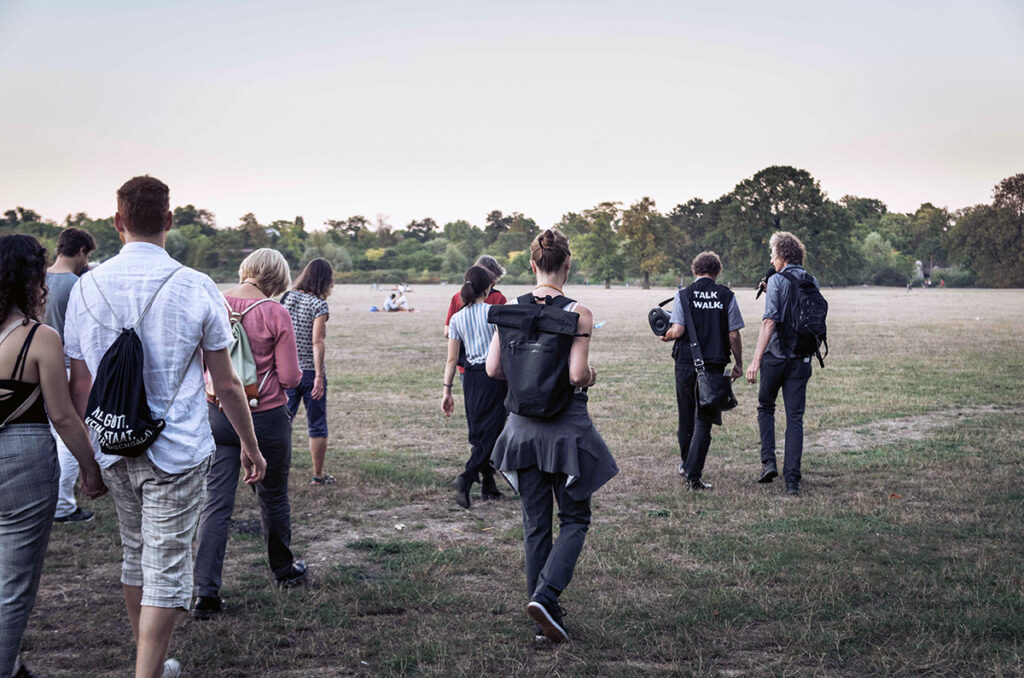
(714, 389)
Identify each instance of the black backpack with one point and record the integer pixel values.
(118, 410)
(535, 342)
(808, 331)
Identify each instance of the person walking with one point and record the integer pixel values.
(73, 248)
(781, 368)
(268, 327)
(469, 334)
(717, 324)
(158, 494)
(29, 469)
(560, 459)
(306, 303)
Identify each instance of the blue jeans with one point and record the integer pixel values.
(29, 478)
(316, 410)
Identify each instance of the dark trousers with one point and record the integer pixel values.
(485, 415)
(694, 430)
(549, 567)
(791, 376)
(274, 434)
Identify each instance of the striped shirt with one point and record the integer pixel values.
(470, 326)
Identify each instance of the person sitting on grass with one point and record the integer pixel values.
(307, 304)
(484, 396)
(262, 275)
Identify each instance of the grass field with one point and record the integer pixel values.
(904, 556)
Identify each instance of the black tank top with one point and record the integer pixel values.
(16, 391)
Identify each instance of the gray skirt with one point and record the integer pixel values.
(567, 444)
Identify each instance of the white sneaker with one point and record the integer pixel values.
(172, 669)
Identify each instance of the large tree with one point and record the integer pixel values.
(989, 239)
(598, 248)
(644, 231)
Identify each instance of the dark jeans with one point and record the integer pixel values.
(694, 426)
(549, 568)
(316, 410)
(274, 434)
(790, 375)
(485, 416)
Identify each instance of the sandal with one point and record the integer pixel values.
(322, 480)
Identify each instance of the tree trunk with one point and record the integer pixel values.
(647, 280)
(607, 283)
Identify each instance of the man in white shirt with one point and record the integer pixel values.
(158, 495)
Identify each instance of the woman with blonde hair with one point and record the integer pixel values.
(262, 275)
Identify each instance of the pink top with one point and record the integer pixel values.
(272, 339)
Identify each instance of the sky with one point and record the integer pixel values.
(450, 109)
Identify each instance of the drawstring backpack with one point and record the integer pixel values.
(118, 410)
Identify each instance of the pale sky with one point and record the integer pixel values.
(451, 109)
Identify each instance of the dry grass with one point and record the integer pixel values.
(902, 557)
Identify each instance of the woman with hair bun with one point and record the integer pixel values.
(558, 459)
(484, 396)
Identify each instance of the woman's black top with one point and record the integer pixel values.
(14, 391)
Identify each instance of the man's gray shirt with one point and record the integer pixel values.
(60, 286)
(778, 306)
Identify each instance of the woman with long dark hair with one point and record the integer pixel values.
(558, 459)
(484, 396)
(307, 304)
(29, 471)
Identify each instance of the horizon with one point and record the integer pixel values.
(452, 111)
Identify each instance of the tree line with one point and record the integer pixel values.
(853, 240)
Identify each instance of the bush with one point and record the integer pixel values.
(954, 277)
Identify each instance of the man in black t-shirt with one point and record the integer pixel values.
(717, 318)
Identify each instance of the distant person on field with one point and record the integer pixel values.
(780, 367)
(73, 248)
(396, 301)
(469, 334)
(718, 323)
(307, 305)
(262, 275)
(560, 459)
(29, 472)
(159, 494)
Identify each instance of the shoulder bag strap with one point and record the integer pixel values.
(261, 301)
(698, 357)
(10, 328)
(180, 382)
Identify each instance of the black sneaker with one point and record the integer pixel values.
(681, 470)
(793, 489)
(23, 672)
(297, 577)
(79, 515)
(461, 487)
(549, 617)
(768, 472)
(538, 633)
(699, 485)
(204, 607)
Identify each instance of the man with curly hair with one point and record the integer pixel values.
(781, 368)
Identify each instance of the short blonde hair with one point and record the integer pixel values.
(270, 270)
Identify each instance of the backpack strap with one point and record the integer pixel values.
(149, 304)
(695, 352)
(261, 301)
(180, 382)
